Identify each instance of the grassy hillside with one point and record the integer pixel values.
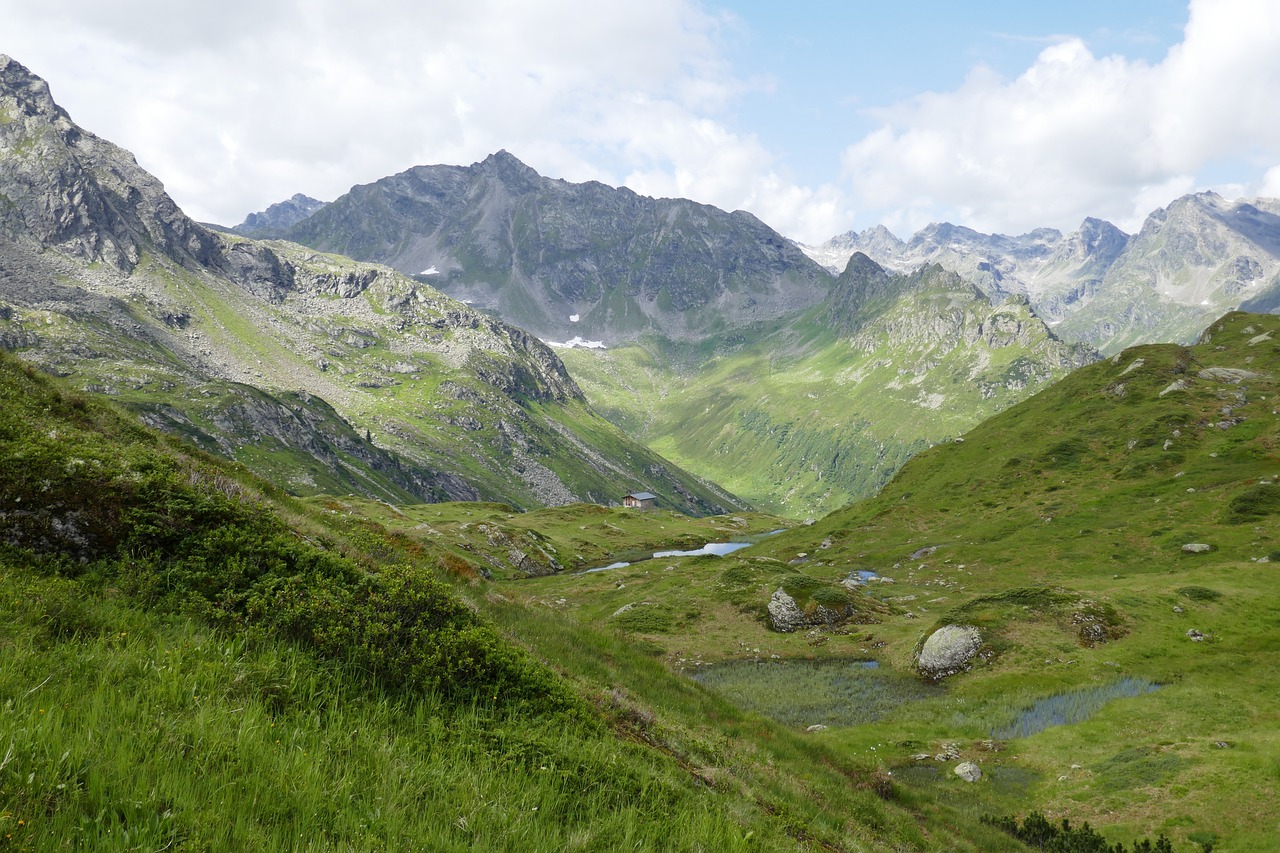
(193, 660)
(1057, 530)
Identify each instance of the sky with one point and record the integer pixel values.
(818, 117)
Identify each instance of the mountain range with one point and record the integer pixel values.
(1191, 262)
(327, 374)
(675, 299)
(708, 335)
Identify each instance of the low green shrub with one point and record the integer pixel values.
(1038, 833)
(1199, 593)
(831, 596)
(646, 619)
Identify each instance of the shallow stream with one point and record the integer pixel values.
(718, 549)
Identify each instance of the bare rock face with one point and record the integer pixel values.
(949, 650)
(1232, 375)
(80, 194)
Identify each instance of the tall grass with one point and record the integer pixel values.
(123, 730)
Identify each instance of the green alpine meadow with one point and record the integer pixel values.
(477, 510)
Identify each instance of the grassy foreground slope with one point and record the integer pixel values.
(192, 660)
(1057, 529)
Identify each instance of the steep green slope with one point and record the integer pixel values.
(806, 414)
(1061, 529)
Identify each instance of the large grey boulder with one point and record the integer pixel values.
(949, 650)
(785, 614)
(1233, 375)
(968, 771)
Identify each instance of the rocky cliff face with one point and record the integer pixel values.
(565, 260)
(323, 373)
(81, 195)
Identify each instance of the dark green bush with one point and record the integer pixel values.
(801, 587)
(1039, 834)
(831, 596)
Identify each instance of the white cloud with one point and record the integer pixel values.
(239, 104)
(1078, 135)
(1270, 183)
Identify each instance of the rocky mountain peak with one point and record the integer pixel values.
(29, 92)
(1096, 239)
(877, 242)
(509, 169)
(73, 192)
(860, 266)
(567, 260)
(941, 233)
(279, 216)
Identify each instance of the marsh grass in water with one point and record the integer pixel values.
(1074, 706)
(805, 693)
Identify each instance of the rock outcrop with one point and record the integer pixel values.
(785, 614)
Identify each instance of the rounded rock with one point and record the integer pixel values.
(949, 649)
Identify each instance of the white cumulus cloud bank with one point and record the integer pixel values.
(1078, 135)
(238, 104)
